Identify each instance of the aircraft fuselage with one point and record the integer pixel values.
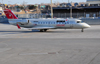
(57, 23)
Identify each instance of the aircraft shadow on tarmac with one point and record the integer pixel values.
(13, 32)
(49, 31)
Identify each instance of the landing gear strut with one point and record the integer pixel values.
(82, 30)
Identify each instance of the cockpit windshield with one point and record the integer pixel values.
(79, 21)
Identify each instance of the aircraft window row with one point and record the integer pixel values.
(51, 22)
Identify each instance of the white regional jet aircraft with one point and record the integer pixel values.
(44, 24)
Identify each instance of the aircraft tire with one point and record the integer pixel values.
(45, 30)
(41, 30)
(82, 30)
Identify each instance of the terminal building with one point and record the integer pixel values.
(89, 9)
(93, 1)
(0, 11)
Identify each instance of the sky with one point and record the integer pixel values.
(37, 1)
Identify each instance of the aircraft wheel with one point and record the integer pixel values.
(42, 30)
(45, 30)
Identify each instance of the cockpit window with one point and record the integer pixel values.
(78, 21)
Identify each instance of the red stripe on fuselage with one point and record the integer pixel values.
(60, 25)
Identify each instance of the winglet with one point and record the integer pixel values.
(18, 26)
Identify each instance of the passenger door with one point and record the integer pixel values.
(68, 24)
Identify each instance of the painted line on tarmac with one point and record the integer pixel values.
(39, 53)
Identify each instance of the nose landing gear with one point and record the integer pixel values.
(82, 30)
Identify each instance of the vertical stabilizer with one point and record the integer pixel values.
(9, 14)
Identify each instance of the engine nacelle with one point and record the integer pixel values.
(23, 22)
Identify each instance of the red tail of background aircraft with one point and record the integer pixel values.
(9, 14)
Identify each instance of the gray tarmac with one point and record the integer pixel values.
(58, 46)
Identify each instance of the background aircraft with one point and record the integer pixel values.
(44, 24)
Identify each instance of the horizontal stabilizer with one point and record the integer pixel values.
(18, 26)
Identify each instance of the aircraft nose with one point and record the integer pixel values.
(86, 26)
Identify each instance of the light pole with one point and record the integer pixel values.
(2, 5)
(51, 10)
(68, 1)
(70, 11)
(2, 1)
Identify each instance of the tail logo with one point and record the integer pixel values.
(10, 14)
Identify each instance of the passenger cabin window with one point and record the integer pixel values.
(36, 22)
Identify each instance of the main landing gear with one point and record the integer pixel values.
(43, 30)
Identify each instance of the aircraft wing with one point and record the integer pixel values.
(42, 27)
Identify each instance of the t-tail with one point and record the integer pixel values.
(9, 14)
